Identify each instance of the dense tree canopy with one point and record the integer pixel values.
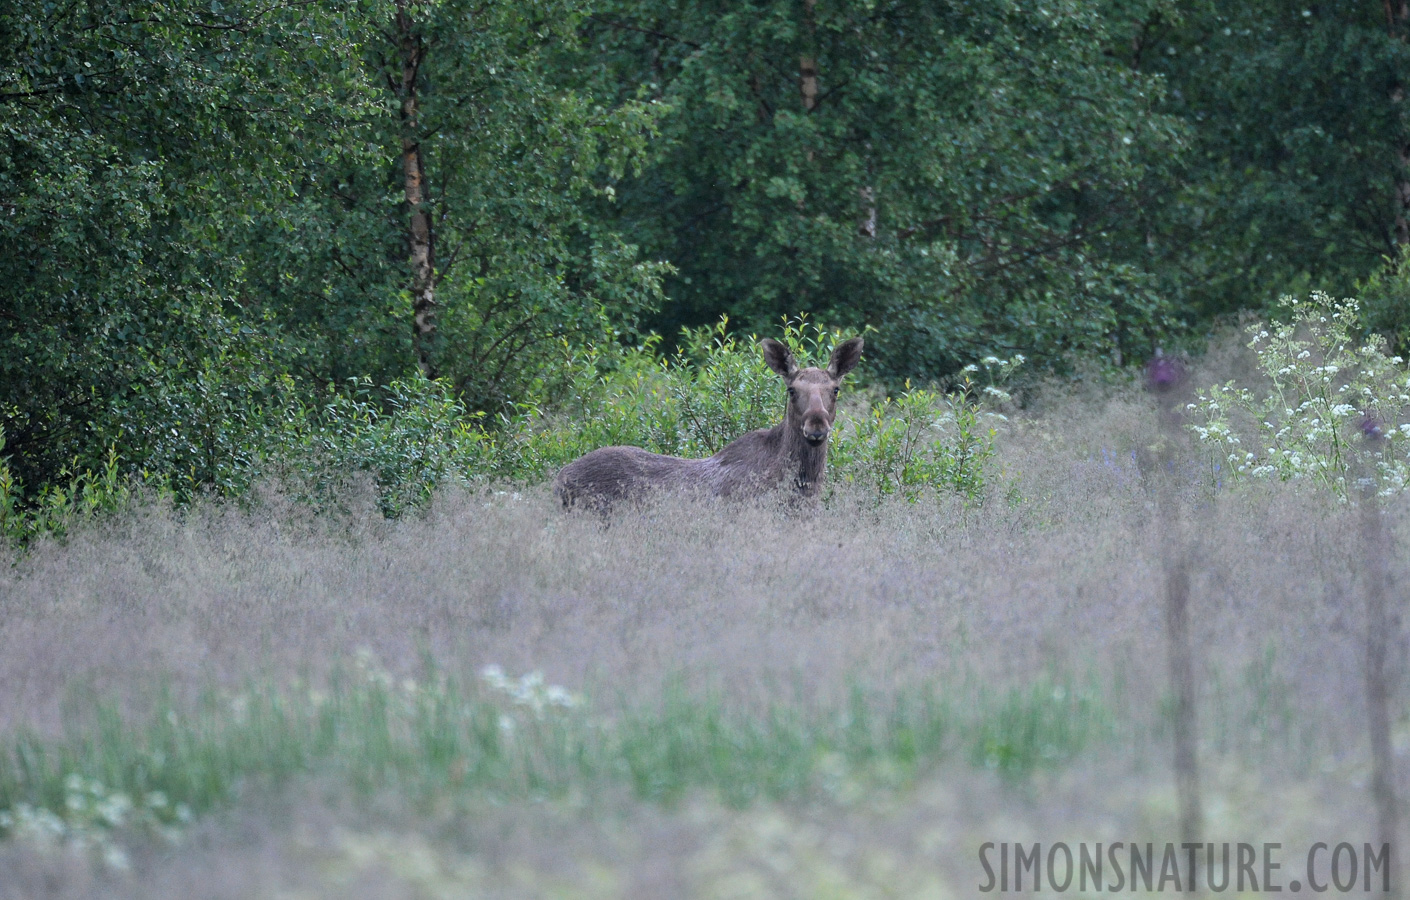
(136, 142)
(1296, 170)
(211, 209)
(204, 199)
(967, 176)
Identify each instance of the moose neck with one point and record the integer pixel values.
(803, 462)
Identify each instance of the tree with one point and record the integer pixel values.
(135, 142)
(208, 206)
(966, 175)
(460, 240)
(1297, 170)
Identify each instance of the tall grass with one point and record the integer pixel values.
(866, 672)
(452, 734)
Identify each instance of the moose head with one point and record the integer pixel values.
(812, 392)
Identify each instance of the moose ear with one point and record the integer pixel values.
(845, 357)
(779, 358)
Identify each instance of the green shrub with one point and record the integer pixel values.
(414, 435)
(614, 396)
(925, 442)
(712, 389)
(1327, 388)
(715, 387)
(1385, 300)
(412, 442)
(207, 425)
(77, 494)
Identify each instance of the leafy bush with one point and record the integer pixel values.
(414, 435)
(712, 389)
(420, 440)
(1385, 301)
(1327, 389)
(77, 494)
(716, 387)
(207, 423)
(924, 441)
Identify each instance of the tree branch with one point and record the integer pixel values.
(627, 26)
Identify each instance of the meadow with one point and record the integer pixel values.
(489, 697)
(303, 307)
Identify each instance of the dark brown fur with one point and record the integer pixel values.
(793, 452)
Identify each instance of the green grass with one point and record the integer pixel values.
(517, 738)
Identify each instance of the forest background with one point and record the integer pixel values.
(409, 236)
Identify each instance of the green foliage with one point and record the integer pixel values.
(897, 449)
(1325, 382)
(114, 343)
(202, 214)
(413, 436)
(204, 424)
(719, 388)
(236, 426)
(1039, 726)
(76, 495)
(512, 155)
(419, 440)
(715, 387)
(1385, 301)
(1295, 144)
(966, 176)
(925, 443)
(135, 144)
(514, 737)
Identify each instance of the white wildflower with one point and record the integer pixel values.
(114, 857)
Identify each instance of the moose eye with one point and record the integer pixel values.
(834, 393)
(792, 392)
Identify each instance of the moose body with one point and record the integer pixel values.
(792, 453)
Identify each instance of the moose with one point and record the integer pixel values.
(793, 452)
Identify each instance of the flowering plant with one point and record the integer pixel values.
(1325, 385)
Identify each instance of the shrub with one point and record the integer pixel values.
(420, 439)
(1327, 388)
(77, 494)
(715, 387)
(414, 435)
(926, 442)
(712, 389)
(1385, 301)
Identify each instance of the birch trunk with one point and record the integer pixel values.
(421, 257)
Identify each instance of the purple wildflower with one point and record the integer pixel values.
(1371, 428)
(1164, 373)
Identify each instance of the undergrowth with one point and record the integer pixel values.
(414, 436)
(1331, 409)
(512, 738)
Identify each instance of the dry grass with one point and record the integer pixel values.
(767, 608)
